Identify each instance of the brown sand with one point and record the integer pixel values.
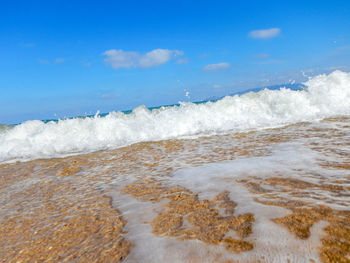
(57, 210)
(207, 224)
(55, 221)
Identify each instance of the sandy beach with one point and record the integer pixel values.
(271, 195)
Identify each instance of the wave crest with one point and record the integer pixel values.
(324, 95)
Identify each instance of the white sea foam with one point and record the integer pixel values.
(272, 242)
(325, 95)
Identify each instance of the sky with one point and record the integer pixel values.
(72, 58)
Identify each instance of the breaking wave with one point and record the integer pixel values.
(324, 95)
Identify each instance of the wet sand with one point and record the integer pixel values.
(210, 199)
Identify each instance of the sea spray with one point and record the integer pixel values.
(324, 95)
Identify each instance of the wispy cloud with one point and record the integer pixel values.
(203, 55)
(87, 64)
(43, 61)
(338, 68)
(217, 86)
(270, 62)
(218, 66)
(109, 96)
(261, 55)
(182, 61)
(265, 33)
(47, 62)
(59, 60)
(130, 59)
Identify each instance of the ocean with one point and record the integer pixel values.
(262, 176)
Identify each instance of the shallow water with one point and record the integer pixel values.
(268, 195)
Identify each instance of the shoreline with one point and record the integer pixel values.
(202, 199)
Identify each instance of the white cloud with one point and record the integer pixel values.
(217, 86)
(265, 33)
(130, 59)
(120, 59)
(218, 66)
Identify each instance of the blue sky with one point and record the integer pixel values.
(69, 58)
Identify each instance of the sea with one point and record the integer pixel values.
(259, 176)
